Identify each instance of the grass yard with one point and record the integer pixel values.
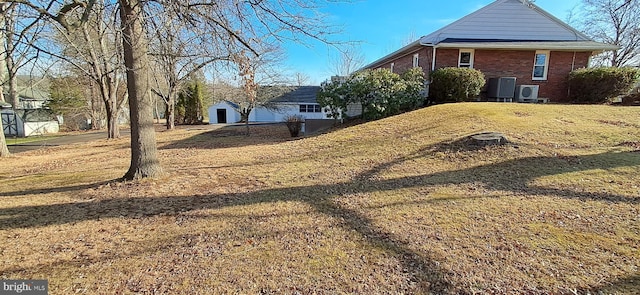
(30, 139)
(400, 205)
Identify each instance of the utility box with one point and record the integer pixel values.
(502, 88)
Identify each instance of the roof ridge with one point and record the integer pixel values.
(435, 37)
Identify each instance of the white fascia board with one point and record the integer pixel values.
(558, 46)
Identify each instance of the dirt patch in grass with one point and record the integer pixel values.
(400, 205)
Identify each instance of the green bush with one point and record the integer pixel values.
(380, 92)
(335, 97)
(599, 85)
(190, 105)
(455, 84)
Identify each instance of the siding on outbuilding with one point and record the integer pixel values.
(288, 104)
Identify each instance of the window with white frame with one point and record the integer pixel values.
(465, 58)
(392, 65)
(541, 65)
(416, 60)
(310, 108)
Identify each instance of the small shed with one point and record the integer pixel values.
(224, 112)
(29, 122)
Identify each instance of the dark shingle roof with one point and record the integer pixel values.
(299, 94)
(232, 104)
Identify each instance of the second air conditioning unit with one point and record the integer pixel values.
(527, 93)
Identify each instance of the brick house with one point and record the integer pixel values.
(507, 38)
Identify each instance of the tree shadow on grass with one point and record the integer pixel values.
(429, 277)
(62, 189)
(625, 285)
(235, 136)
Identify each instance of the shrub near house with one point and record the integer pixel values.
(380, 92)
(455, 84)
(600, 85)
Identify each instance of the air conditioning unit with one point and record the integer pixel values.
(501, 88)
(527, 93)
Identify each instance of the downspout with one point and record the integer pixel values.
(573, 65)
(433, 63)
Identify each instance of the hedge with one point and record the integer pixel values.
(600, 85)
(455, 84)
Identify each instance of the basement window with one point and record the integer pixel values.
(310, 108)
(465, 58)
(541, 65)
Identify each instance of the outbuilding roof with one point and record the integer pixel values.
(299, 94)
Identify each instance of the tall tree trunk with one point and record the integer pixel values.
(113, 129)
(14, 98)
(113, 110)
(170, 112)
(157, 111)
(144, 153)
(8, 28)
(4, 151)
(96, 107)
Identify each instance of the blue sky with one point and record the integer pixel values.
(383, 26)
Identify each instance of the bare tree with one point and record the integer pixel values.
(260, 80)
(615, 22)
(179, 49)
(302, 79)
(95, 51)
(144, 151)
(4, 151)
(246, 23)
(21, 32)
(73, 95)
(349, 60)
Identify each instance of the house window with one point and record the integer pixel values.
(541, 65)
(416, 60)
(310, 108)
(392, 65)
(465, 58)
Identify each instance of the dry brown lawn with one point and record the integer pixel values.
(400, 205)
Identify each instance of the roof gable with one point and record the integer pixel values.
(516, 20)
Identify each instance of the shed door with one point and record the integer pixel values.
(222, 116)
(10, 124)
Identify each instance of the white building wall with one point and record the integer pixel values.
(232, 115)
(263, 114)
(41, 128)
(279, 112)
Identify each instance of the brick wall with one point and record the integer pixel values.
(519, 64)
(404, 63)
(505, 63)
